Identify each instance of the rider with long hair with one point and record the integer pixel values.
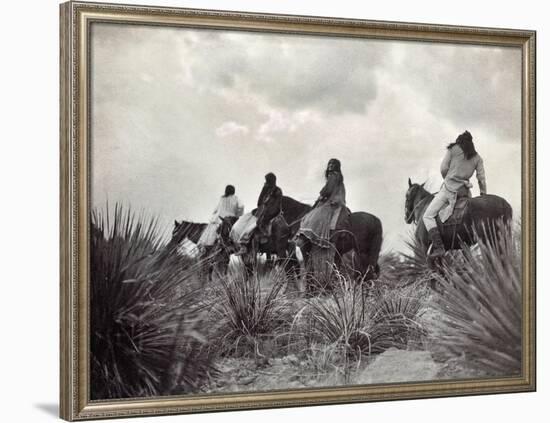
(228, 205)
(328, 211)
(458, 166)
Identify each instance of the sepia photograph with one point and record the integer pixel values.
(277, 211)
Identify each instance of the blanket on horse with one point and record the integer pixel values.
(210, 233)
(243, 227)
(322, 221)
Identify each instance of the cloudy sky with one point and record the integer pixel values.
(179, 113)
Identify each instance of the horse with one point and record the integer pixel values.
(280, 242)
(224, 247)
(185, 229)
(214, 256)
(363, 237)
(482, 213)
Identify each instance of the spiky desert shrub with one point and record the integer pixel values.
(249, 308)
(145, 331)
(481, 305)
(394, 320)
(406, 268)
(364, 325)
(341, 318)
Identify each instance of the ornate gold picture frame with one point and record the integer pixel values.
(82, 167)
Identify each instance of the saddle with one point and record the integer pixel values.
(459, 211)
(340, 220)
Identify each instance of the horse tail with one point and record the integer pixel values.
(374, 246)
(369, 245)
(508, 214)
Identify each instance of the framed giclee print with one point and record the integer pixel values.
(266, 211)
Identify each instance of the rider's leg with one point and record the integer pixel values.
(440, 200)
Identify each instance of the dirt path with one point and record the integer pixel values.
(392, 366)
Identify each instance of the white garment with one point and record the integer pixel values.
(227, 206)
(457, 170)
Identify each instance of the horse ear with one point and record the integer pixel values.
(423, 184)
(176, 224)
(410, 183)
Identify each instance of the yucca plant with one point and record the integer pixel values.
(341, 318)
(365, 325)
(409, 267)
(481, 305)
(248, 309)
(395, 316)
(145, 330)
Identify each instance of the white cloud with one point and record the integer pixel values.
(231, 128)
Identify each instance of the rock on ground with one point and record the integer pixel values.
(396, 365)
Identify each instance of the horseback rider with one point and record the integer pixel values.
(457, 167)
(229, 205)
(269, 206)
(329, 211)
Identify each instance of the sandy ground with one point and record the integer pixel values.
(289, 372)
(419, 362)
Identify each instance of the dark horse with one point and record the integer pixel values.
(278, 243)
(481, 212)
(184, 229)
(214, 257)
(363, 237)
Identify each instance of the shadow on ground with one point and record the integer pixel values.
(51, 409)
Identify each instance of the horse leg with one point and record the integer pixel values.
(251, 259)
(305, 249)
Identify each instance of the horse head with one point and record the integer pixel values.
(177, 233)
(414, 194)
(185, 229)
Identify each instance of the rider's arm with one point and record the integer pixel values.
(480, 174)
(446, 164)
(261, 198)
(240, 207)
(215, 212)
(331, 184)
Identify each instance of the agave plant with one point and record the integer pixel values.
(145, 330)
(481, 305)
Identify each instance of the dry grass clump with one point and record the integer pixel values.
(362, 324)
(146, 334)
